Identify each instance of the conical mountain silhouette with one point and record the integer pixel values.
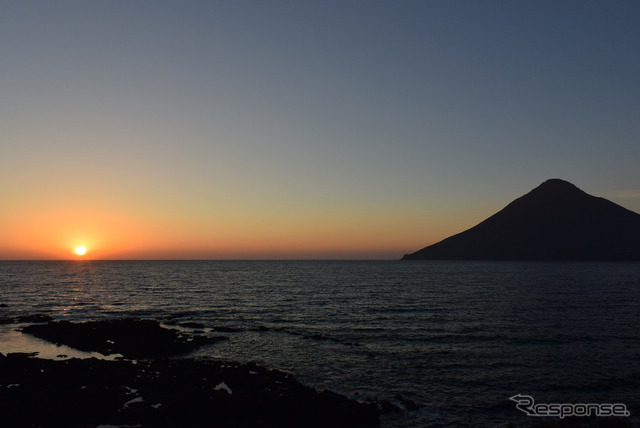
(555, 221)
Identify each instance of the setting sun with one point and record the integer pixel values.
(80, 251)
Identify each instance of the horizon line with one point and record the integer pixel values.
(194, 260)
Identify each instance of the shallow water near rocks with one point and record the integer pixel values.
(456, 338)
(12, 340)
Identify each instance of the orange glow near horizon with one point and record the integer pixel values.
(87, 235)
(123, 230)
(127, 207)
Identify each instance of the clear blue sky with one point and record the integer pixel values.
(315, 128)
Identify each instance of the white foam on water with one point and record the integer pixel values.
(223, 386)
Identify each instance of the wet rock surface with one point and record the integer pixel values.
(165, 393)
(132, 338)
(36, 318)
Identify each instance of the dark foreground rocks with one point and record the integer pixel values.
(36, 318)
(165, 393)
(155, 391)
(132, 338)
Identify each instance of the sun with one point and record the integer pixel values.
(81, 251)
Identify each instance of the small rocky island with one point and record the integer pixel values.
(149, 389)
(555, 221)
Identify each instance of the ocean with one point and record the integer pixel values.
(456, 338)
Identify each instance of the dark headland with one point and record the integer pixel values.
(555, 221)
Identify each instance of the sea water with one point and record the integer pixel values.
(456, 338)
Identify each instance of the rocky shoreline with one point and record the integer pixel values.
(132, 338)
(149, 389)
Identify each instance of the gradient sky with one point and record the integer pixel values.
(303, 129)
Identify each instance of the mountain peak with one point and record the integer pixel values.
(557, 185)
(554, 192)
(554, 221)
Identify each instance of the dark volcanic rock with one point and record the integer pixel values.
(36, 318)
(129, 337)
(555, 221)
(166, 393)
